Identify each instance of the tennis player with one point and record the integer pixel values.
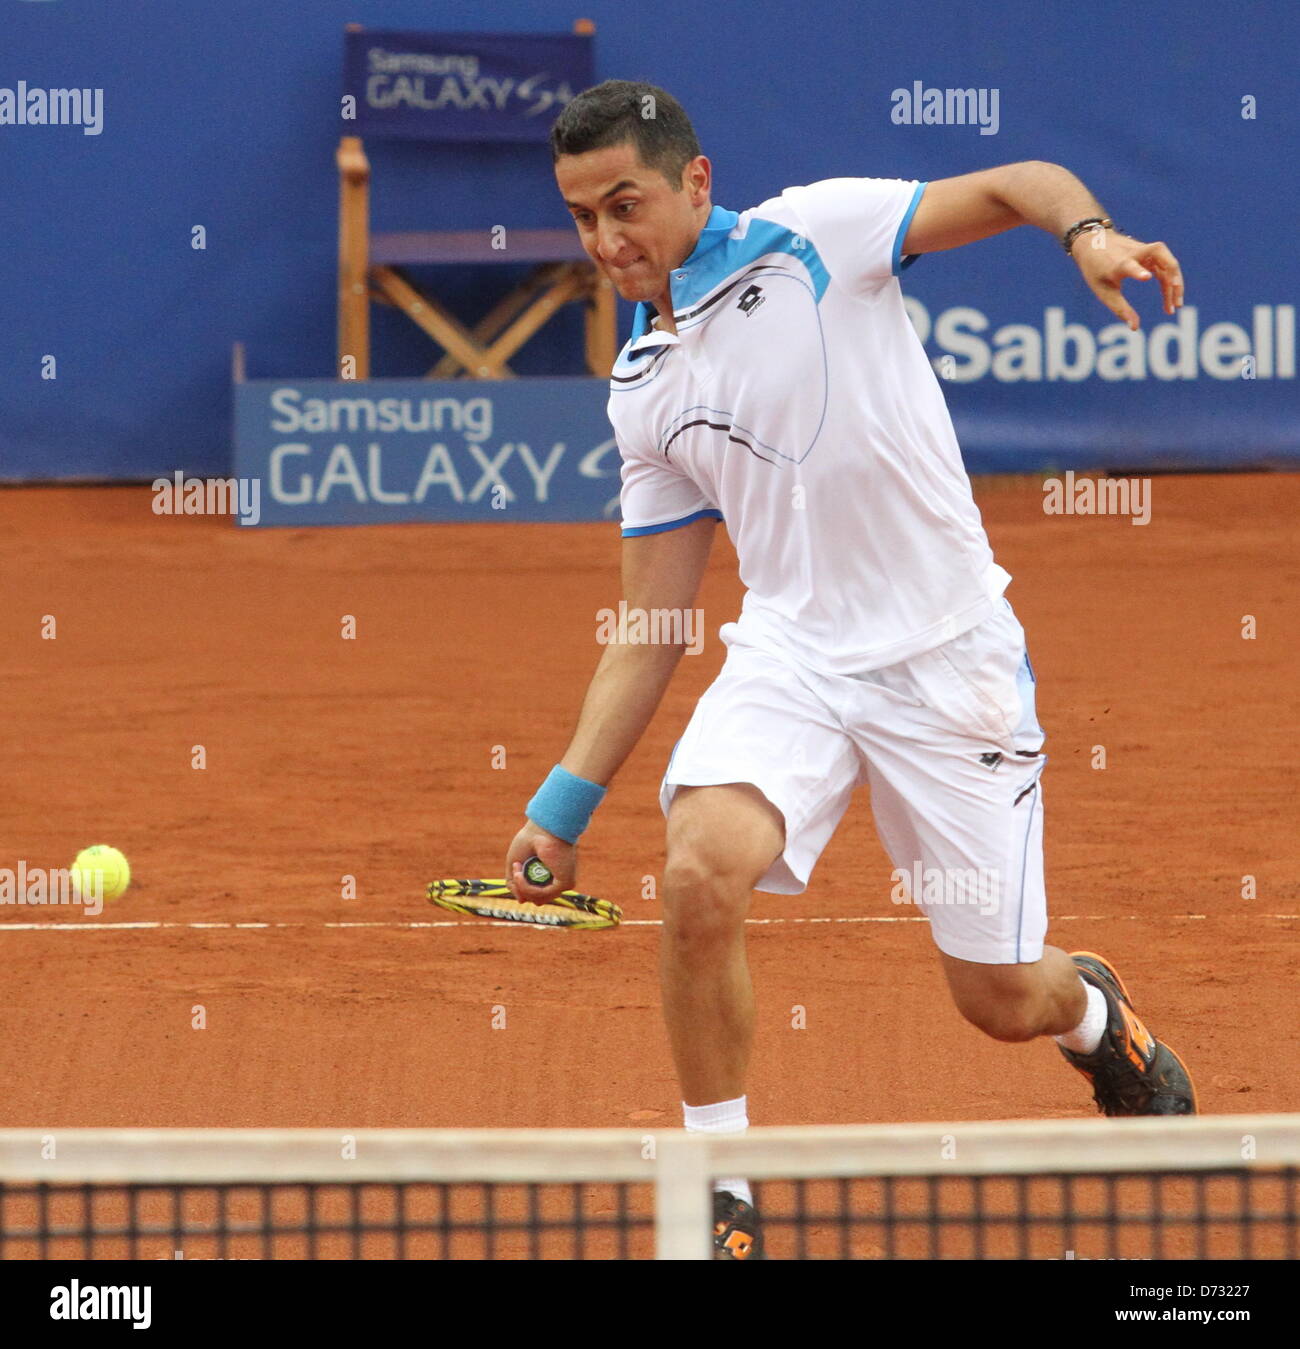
(773, 381)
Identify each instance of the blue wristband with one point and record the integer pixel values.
(564, 804)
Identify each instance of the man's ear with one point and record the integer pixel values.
(698, 176)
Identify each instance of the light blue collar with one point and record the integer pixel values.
(719, 224)
(716, 228)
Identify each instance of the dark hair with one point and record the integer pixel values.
(628, 110)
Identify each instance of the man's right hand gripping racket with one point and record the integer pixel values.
(492, 899)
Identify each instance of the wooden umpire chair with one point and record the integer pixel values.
(370, 269)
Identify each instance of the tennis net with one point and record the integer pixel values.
(1207, 1188)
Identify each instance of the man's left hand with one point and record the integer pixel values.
(1106, 259)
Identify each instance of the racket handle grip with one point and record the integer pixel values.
(536, 872)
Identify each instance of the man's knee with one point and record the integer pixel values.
(720, 842)
(721, 838)
(706, 893)
(1004, 1001)
(1018, 1002)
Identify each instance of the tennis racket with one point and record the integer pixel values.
(492, 899)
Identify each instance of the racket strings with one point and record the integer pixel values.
(493, 899)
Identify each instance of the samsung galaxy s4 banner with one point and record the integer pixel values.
(461, 86)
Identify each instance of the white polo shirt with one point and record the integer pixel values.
(797, 404)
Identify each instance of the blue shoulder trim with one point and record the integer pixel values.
(671, 524)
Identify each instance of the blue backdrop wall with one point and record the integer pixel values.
(1181, 117)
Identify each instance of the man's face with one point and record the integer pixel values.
(635, 228)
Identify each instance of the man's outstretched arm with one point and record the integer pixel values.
(956, 211)
(660, 571)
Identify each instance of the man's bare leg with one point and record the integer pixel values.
(721, 840)
(1018, 1002)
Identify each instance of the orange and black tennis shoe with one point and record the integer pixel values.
(736, 1232)
(1132, 1073)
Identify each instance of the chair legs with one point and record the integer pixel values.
(499, 317)
(601, 325)
(354, 252)
(483, 351)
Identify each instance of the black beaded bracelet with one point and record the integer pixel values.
(1070, 235)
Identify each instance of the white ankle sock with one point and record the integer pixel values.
(723, 1117)
(1086, 1036)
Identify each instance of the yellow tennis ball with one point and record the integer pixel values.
(101, 870)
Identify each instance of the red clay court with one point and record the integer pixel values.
(374, 758)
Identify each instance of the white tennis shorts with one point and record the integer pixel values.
(949, 745)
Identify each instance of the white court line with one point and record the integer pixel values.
(534, 927)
